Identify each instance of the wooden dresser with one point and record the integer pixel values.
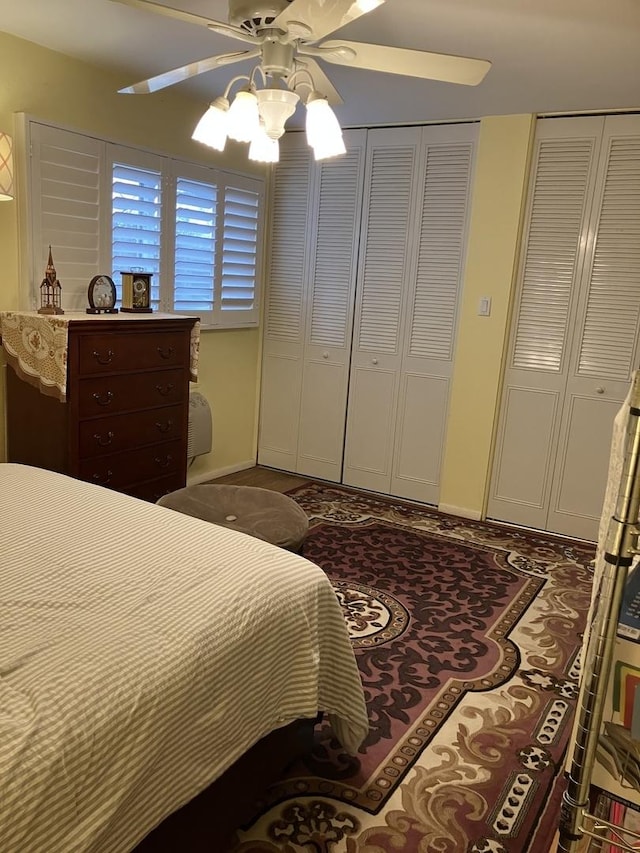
(125, 419)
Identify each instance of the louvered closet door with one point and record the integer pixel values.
(605, 345)
(309, 307)
(333, 235)
(284, 332)
(575, 326)
(384, 268)
(445, 169)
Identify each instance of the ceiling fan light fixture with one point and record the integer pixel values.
(212, 128)
(324, 133)
(365, 6)
(275, 107)
(263, 148)
(329, 148)
(243, 116)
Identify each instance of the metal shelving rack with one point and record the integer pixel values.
(616, 551)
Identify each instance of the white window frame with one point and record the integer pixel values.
(170, 168)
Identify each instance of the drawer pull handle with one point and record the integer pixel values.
(103, 399)
(103, 359)
(164, 427)
(165, 352)
(163, 463)
(103, 440)
(103, 478)
(164, 389)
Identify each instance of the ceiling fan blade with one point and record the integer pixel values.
(320, 79)
(177, 75)
(314, 19)
(398, 60)
(188, 18)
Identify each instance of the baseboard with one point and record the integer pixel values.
(194, 479)
(473, 514)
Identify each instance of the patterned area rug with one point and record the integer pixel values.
(467, 638)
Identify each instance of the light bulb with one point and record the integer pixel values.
(211, 130)
(324, 134)
(263, 148)
(244, 119)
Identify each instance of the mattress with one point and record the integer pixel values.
(142, 651)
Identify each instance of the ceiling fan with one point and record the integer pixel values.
(287, 37)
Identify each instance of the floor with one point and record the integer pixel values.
(281, 481)
(264, 478)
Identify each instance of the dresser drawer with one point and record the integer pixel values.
(152, 490)
(105, 395)
(98, 437)
(114, 352)
(117, 470)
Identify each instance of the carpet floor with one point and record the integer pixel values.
(467, 637)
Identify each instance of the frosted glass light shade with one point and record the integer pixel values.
(324, 133)
(6, 167)
(244, 118)
(263, 148)
(212, 128)
(276, 106)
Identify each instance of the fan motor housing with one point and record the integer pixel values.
(255, 15)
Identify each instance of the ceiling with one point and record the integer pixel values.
(548, 55)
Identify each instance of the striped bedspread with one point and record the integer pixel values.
(141, 653)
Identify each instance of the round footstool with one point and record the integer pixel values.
(267, 515)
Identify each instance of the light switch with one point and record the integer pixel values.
(484, 306)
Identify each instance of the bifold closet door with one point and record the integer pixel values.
(412, 248)
(309, 308)
(576, 322)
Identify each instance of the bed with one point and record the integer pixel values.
(142, 653)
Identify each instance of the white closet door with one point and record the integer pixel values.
(562, 182)
(333, 232)
(445, 170)
(605, 345)
(577, 323)
(283, 343)
(383, 270)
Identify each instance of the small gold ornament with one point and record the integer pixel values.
(50, 290)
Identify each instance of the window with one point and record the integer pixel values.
(102, 206)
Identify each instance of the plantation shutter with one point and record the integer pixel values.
(609, 337)
(333, 265)
(195, 245)
(384, 253)
(136, 216)
(557, 218)
(239, 258)
(441, 245)
(65, 211)
(287, 253)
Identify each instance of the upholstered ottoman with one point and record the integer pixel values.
(267, 515)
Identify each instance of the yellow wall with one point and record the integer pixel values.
(48, 85)
(499, 189)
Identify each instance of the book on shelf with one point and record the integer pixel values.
(629, 618)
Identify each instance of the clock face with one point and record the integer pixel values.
(140, 292)
(102, 292)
